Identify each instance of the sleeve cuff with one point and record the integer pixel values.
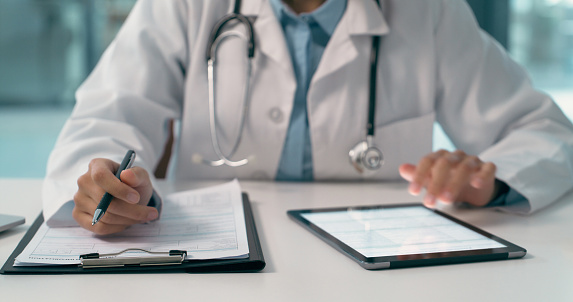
(506, 196)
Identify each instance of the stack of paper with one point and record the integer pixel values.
(207, 223)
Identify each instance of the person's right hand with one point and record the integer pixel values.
(129, 205)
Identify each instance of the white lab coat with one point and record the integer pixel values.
(434, 64)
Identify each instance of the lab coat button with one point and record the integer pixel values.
(276, 115)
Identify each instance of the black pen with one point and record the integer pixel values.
(106, 199)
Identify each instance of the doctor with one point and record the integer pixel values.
(307, 105)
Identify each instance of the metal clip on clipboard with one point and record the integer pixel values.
(95, 260)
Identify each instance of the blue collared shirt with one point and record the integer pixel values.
(306, 36)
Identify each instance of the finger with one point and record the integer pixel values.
(460, 178)
(85, 221)
(83, 201)
(87, 188)
(109, 218)
(423, 171)
(132, 211)
(441, 174)
(407, 171)
(88, 192)
(103, 176)
(485, 176)
(138, 178)
(135, 177)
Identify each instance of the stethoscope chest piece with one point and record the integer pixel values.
(365, 157)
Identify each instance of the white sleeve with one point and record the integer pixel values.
(126, 103)
(488, 107)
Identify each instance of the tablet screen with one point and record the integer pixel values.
(399, 231)
(391, 236)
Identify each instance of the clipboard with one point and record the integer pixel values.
(253, 263)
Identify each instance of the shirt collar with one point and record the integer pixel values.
(326, 16)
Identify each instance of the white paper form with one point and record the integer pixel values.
(208, 223)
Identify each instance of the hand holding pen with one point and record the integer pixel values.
(126, 163)
(128, 192)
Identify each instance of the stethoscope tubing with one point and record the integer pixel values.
(215, 39)
(223, 159)
(364, 156)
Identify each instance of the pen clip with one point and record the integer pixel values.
(131, 161)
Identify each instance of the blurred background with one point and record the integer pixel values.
(48, 47)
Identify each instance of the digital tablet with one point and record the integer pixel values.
(393, 236)
(8, 221)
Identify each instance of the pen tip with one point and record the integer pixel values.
(97, 216)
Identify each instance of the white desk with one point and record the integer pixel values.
(300, 267)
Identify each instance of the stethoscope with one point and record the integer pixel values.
(364, 157)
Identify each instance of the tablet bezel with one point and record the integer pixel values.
(408, 260)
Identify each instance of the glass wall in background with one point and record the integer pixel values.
(541, 38)
(48, 47)
(539, 35)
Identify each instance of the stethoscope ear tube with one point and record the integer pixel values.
(219, 28)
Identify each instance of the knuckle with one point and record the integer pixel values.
(470, 163)
(77, 198)
(442, 152)
(83, 181)
(442, 161)
(491, 166)
(98, 175)
(474, 159)
(93, 163)
(467, 166)
(426, 161)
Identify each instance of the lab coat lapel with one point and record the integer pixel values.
(362, 18)
(269, 35)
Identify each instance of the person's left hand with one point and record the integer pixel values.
(451, 177)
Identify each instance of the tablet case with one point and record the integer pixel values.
(255, 261)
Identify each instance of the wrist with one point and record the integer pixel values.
(500, 191)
